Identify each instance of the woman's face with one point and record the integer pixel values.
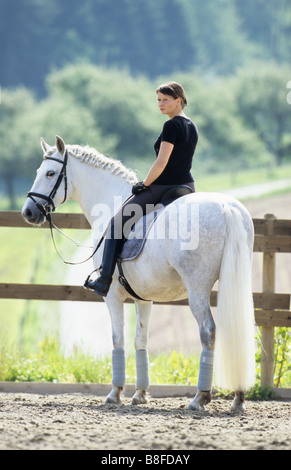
(168, 105)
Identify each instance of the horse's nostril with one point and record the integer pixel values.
(32, 215)
(28, 213)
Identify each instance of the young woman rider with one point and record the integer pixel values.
(175, 149)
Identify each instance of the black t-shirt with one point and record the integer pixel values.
(183, 134)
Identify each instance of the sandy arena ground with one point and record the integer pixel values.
(84, 422)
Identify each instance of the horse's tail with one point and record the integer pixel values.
(235, 324)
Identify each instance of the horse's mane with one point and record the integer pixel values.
(92, 157)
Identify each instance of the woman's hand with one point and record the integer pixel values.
(138, 188)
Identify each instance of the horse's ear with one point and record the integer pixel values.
(44, 145)
(60, 144)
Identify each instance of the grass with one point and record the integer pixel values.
(28, 256)
(229, 180)
(49, 364)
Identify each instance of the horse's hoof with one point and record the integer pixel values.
(111, 401)
(238, 407)
(201, 399)
(114, 396)
(238, 404)
(196, 407)
(139, 398)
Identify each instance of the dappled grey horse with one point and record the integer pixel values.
(196, 240)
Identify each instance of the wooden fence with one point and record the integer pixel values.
(272, 236)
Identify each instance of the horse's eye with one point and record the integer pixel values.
(50, 174)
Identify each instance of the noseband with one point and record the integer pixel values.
(50, 206)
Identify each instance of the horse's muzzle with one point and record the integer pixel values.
(32, 213)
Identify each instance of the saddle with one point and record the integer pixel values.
(135, 242)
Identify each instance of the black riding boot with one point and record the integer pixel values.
(111, 251)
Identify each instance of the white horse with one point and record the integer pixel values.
(165, 270)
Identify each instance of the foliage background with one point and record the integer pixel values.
(88, 71)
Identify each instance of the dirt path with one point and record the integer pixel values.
(84, 422)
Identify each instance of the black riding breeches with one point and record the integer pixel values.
(137, 206)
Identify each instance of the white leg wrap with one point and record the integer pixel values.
(118, 367)
(206, 371)
(142, 369)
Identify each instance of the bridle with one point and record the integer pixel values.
(49, 207)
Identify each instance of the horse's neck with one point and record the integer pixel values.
(97, 190)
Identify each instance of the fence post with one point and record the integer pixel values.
(267, 361)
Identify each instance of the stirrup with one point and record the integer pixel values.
(88, 277)
(100, 286)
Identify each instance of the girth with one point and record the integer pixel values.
(124, 282)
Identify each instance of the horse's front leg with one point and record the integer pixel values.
(116, 310)
(143, 313)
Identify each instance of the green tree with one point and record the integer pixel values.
(17, 136)
(261, 97)
(146, 36)
(74, 123)
(267, 25)
(225, 142)
(23, 121)
(243, 121)
(122, 107)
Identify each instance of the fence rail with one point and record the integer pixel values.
(271, 309)
(272, 236)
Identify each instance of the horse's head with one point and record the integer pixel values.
(49, 189)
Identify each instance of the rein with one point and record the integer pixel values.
(49, 219)
(49, 207)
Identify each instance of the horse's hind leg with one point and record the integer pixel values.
(238, 403)
(201, 310)
(143, 313)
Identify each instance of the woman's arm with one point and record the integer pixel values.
(160, 164)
